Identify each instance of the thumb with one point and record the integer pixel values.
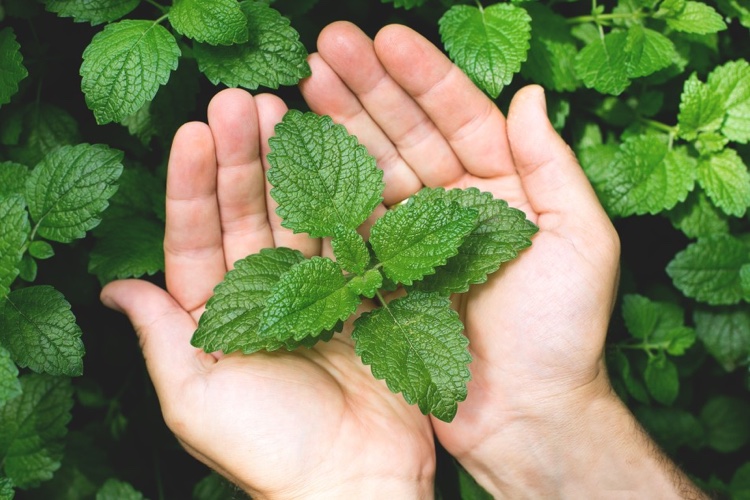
(551, 176)
(164, 330)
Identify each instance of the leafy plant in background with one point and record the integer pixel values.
(654, 96)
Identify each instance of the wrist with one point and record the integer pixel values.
(583, 446)
(365, 488)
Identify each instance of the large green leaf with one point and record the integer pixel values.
(415, 343)
(10, 386)
(32, 428)
(93, 11)
(322, 177)
(272, 56)
(217, 22)
(488, 43)
(14, 231)
(69, 189)
(124, 66)
(726, 180)
(40, 332)
(12, 70)
(726, 335)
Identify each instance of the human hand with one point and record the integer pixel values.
(304, 424)
(540, 417)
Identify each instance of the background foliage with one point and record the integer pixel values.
(654, 96)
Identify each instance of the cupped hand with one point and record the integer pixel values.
(303, 424)
(537, 327)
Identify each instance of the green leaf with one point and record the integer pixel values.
(710, 142)
(93, 11)
(40, 332)
(214, 487)
(413, 239)
(726, 180)
(112, 489)
(6, 489)
(603, 63)
(272, 56)
(12, 178)
(696, 17)
(661, 325)
(41, 250)
(350, 250)
(367, 284)
(662, 380)
(709, 269)
(621, 364)
(489, 44)
(415, 343)
(740, 484)
(648, 51)
(468, 486)
(10, 386)
(124, 66)
(731, 82)
(232, 317)
(701, 109)
(726, 335)
(27, 268)
(322, 177)
(727, 423)
(308, 299)
(736, 9)
(14, 231)
(647, 177)
(70, 188)
(672, 428)
(12, 70)
(552, 50)
(128, 248)
(38, 129)
(32, 428)
(698, 217)
(500, 234)
(217, 22)
(406, 4)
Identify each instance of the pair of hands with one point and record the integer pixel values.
(315, 422)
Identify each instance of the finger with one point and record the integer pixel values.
(471, 123)
(326, 94)
(271, 110)
(351, 54)
(193, 253)
(164, 329)
(554, 182)
(240, 184)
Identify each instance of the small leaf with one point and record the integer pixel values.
(468, 486)
(696, 17)
(500, 234)
(406, 4)
(70, 188)
(709, 269)
(322, 177)
(740, 484)
(662, 379)
(32, 428)
(726, 180)
(41, 250)
(14, 231)
(603, 63)
(308, 299)
(415, 343)
(726, 335)
(112, 489)
(6, 489)
(710, 142)
(621, 364)
(217, 22)
(40, 332)
(93, 11)
(367, 284)
(12, 70)
(489, 43)
(350, 250)
(12, 178)
(232, 317)
(127, 248)
(647, 177)
(124, 66)
(727, 423)
(698, 217)
(412, 240)
(701, 109)
(214, 487)
(272, 56)
(10, 386)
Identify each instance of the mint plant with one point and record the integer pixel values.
(327, 185)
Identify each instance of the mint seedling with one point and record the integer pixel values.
(437, 243)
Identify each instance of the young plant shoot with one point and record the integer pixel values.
(436, 244)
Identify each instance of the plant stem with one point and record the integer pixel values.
(670, 129)
(593, 18)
